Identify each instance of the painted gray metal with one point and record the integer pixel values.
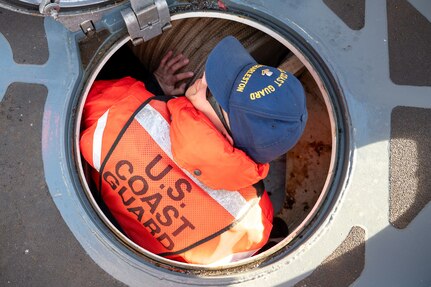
(360, 62)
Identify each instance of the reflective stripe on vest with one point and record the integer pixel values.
(158, 128)
(161, 207)
(97, 140)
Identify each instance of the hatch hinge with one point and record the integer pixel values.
(146, 19)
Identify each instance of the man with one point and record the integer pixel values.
(182, 177)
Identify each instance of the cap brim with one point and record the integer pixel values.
(223, 65)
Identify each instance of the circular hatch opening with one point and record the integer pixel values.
(306, 173)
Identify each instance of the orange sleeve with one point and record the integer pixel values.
(122, 97)
(104, 94)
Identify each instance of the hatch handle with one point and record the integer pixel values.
(146, 19)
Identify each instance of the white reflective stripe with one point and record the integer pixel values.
(158, 128)
(97, 140)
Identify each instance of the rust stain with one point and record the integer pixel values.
(308, 162)
(302, 159)
(320, 147)
(289, 202)
(298, 174)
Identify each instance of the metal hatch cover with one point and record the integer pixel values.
(70, 3)
(70, 13)
(145, 19)
(38, 7)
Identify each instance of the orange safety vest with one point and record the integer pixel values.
(170, 179)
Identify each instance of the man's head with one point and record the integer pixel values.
(265, 106)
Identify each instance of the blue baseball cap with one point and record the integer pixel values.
(266, 106)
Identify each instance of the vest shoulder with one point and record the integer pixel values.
(201, 149)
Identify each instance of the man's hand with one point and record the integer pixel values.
(167, 77)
